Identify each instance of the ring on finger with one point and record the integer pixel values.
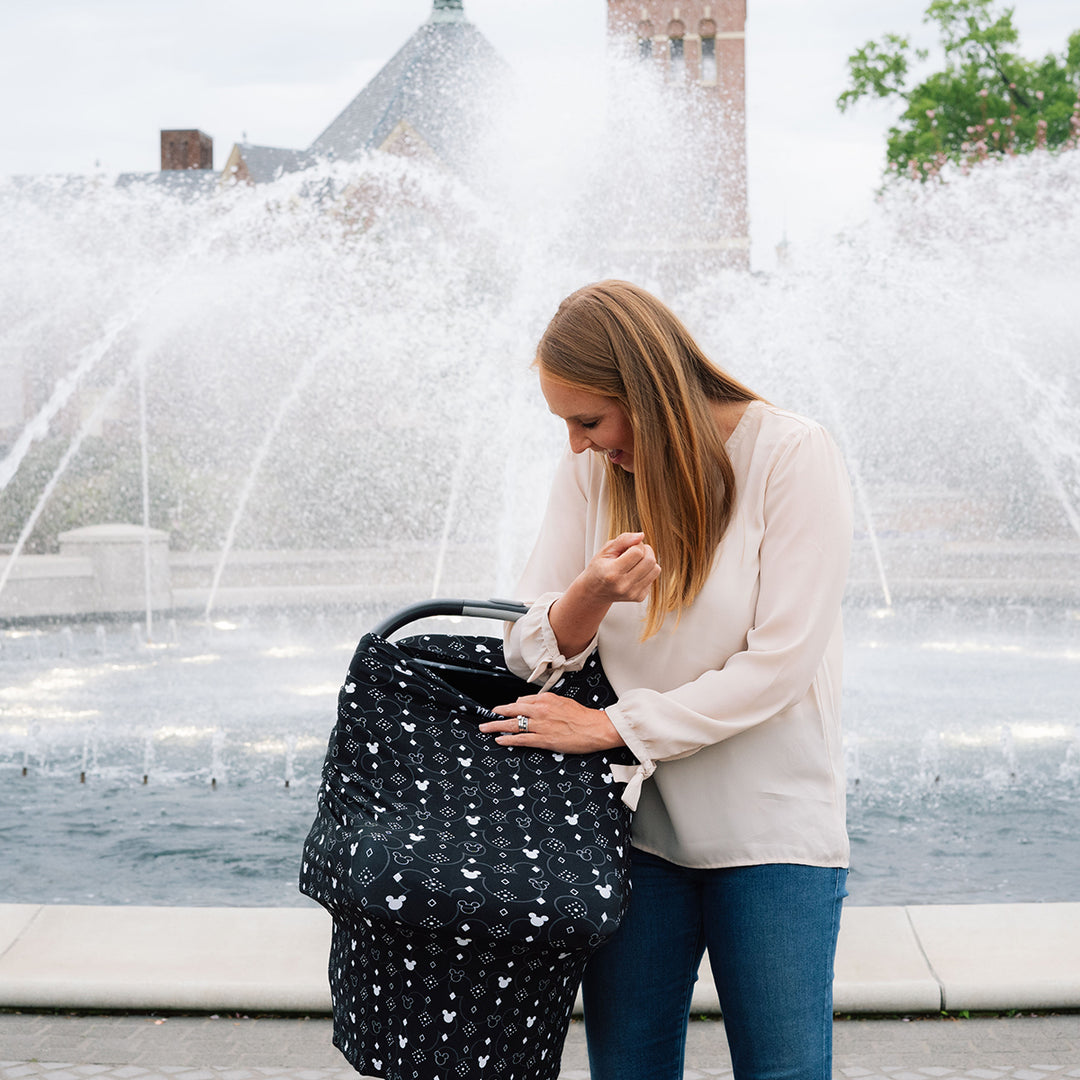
(523, 725)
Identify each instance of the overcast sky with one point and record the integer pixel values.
(87, 84)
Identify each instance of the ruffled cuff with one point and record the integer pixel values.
(534, 641)
(633, 776)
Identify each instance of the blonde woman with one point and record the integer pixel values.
(701, 545)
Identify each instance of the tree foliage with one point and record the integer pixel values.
(987, 101)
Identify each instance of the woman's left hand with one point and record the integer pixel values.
(554, 723)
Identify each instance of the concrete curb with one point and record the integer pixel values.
(979, 952)
(273, 960)
(153, 958)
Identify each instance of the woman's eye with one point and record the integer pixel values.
(588, 425)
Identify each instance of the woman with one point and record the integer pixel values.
(702, 547)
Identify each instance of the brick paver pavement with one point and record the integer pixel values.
(40, 1046)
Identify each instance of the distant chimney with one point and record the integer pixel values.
(186, 150)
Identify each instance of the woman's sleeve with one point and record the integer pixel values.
(803, 562)
(531, 649)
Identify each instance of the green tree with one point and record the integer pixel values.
(987, 101)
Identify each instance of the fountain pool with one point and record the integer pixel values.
(963, 749)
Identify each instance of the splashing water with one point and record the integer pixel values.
(340, 360)
(936, 339)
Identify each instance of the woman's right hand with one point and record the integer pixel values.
(622, 570)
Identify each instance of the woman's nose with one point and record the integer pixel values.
(579, 441)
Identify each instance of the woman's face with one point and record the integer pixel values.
(594, 422)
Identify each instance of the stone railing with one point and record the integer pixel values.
(100, 570)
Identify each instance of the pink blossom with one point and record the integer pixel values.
(1039, 94)
(930, 113)
(984, 92)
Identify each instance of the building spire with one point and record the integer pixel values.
(448, 11)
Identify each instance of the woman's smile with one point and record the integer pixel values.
(593, 422)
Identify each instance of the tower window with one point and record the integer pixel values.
(677, 54)
(708, 59)
(676, 32)
(645, 37)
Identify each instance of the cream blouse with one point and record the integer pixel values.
(732, 710)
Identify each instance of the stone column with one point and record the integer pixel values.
(117, 553)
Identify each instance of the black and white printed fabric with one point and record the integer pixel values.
(469, 882)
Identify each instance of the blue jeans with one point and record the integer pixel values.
(771, 934)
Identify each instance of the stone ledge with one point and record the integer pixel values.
(148, 958)
(1003, 956)
(889, 960)
(880, 966)
(917, 570)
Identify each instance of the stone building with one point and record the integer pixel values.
(699, 51)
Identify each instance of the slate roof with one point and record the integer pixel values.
(187, 183)
(267, 163)
(440, 83)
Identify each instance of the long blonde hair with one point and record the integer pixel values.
(615, 339)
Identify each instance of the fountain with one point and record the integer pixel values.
(333, 413)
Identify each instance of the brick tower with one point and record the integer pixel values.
(699, 48)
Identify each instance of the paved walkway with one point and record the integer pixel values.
(36, 1046)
